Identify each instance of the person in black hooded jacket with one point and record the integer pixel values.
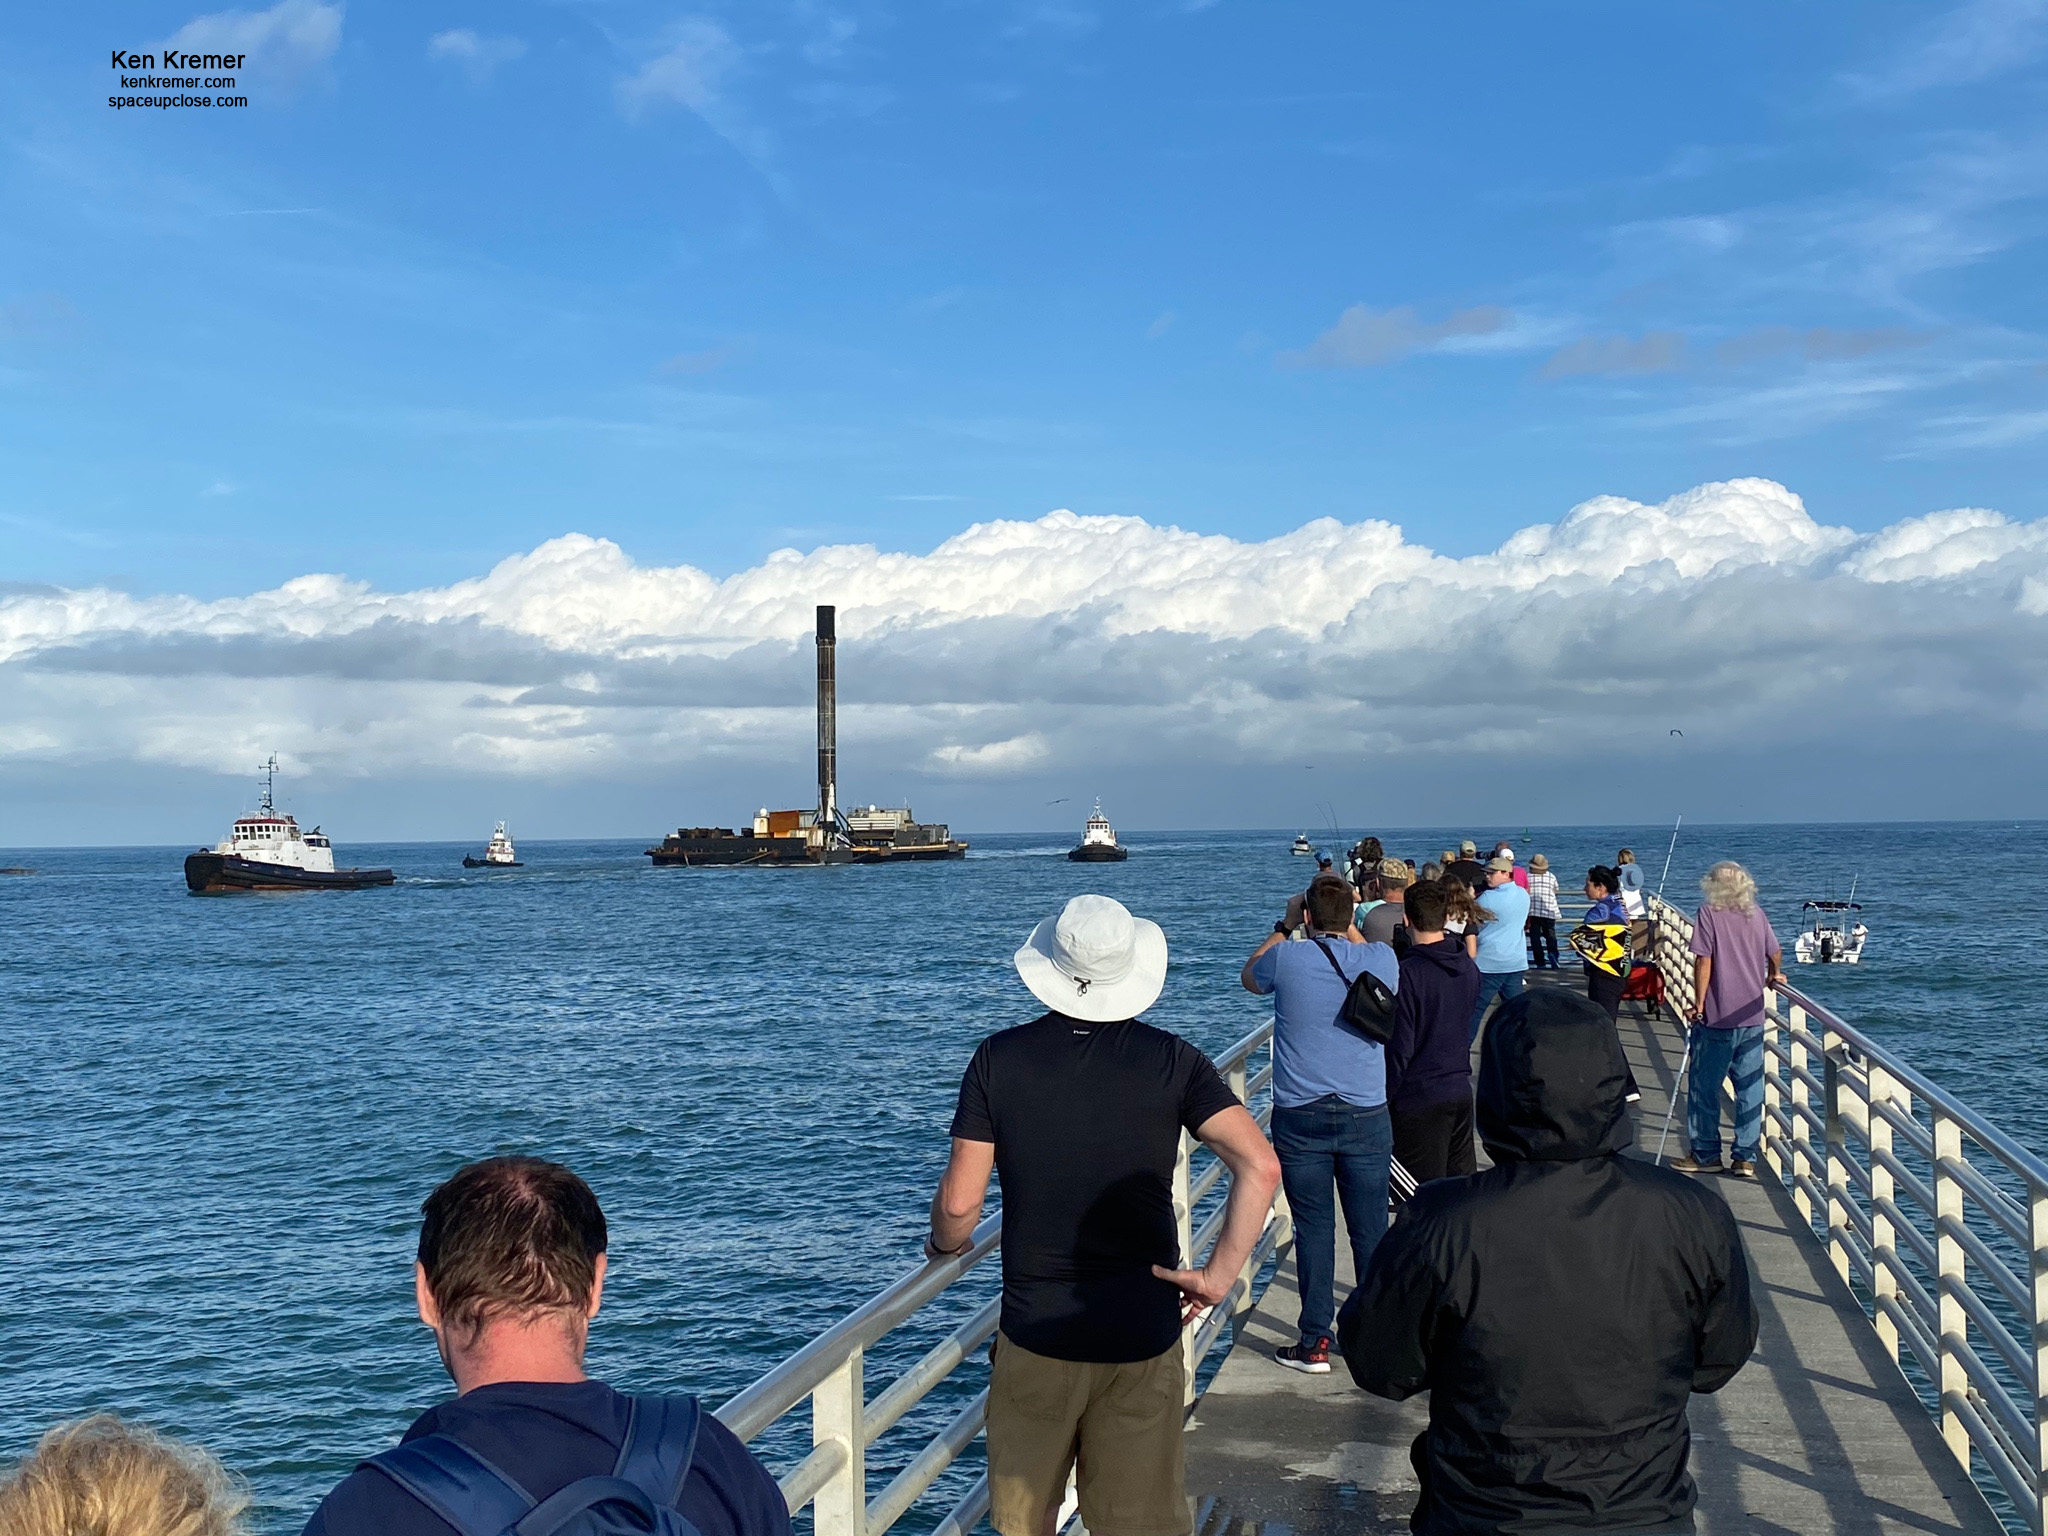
(1560, 1307)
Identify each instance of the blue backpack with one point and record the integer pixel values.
(638, 1499)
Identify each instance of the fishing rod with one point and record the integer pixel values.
(1667, 855)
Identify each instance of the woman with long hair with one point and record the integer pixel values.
(1465, 917)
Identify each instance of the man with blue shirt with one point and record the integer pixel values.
(1330, 1122)
(1503, 948)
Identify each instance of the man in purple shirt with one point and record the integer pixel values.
(1736, 956)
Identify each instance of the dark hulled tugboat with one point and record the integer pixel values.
(498, 854)
(1098, 842)
(267, 852)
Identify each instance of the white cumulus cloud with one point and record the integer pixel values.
(1072, 644)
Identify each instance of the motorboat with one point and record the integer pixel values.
(1302, 846)
(268, 852)
(1831, 935)
(1098, 842)
(499, 854)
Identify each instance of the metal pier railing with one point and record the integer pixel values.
(846, 1422)
(1936, 1218)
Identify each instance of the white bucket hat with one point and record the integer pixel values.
(1095, 961)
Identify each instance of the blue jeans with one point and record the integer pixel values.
(1331, 1149)
(1718, 1054)
(1501, 984)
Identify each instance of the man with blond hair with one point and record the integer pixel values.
(510, 1271)
(1736, 956)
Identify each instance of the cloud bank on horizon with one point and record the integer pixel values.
(1076, 642)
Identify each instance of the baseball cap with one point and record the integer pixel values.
(1501, 864)
(1468, 848)
(1394, 869)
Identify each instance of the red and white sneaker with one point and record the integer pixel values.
(1312, 1357)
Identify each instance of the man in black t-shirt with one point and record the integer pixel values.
(1080, 1113)
(511, 1268)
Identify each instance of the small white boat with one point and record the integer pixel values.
(1302, 846)
(1831, 935)
(499, 855)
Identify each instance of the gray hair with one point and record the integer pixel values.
(1729, 886)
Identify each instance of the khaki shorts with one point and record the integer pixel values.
(1119, 1427)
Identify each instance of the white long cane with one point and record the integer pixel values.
(1676, 1089)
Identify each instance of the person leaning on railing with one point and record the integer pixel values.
(103, 1477)
(1736, 956)
(1082, 1112)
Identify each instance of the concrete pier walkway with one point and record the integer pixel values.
(1819, 1433)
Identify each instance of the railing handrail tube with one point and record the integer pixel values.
(1979, 1130)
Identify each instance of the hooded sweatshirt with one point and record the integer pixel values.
(1560, 1307)
(1429, 1056)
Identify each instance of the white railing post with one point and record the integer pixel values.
(1774, 1091)
(1184, 1223)
(1837, 1182)
(1283, 1213)
(1952, 1321)
(2037, 1240)
(1884, 1252)
(837, 1407)
(1240, 1075)
(1802, 1130)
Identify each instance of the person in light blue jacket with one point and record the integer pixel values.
(1502, 952)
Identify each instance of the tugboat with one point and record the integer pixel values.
(1302, 846)
(1831, 936)
(267, 852)
(1098, 842)
(499, 855)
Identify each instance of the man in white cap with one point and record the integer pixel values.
(1081, 1112)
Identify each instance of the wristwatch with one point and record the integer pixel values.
(1283, 928)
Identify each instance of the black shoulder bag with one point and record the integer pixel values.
(1368, 1008)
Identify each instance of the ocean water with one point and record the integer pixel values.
(218, 1116)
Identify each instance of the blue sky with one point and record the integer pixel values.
(708, 282)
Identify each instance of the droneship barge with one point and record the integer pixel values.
(824, 834)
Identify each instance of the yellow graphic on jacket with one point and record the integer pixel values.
(1602, 945)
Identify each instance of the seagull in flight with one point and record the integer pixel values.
(1061, 801)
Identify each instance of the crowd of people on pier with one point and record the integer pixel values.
(1560, 1306)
